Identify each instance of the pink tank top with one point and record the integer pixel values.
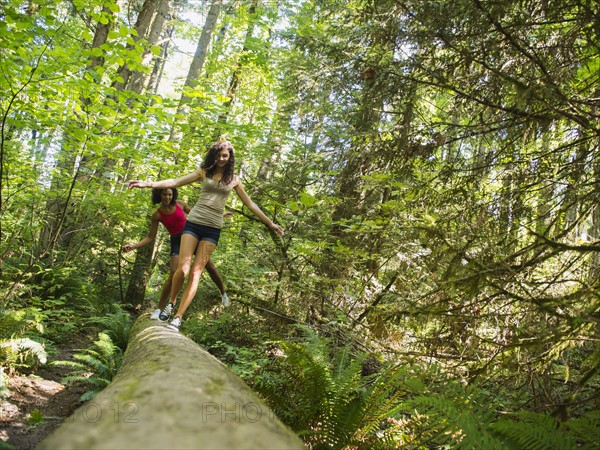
(175, 221)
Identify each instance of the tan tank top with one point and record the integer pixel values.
(209, 208)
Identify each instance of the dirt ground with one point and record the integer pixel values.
(21, 424)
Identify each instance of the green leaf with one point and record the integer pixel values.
(307, 200)
(35, 417)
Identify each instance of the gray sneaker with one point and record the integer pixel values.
(166, 312)
(175, 324)
(156, 314)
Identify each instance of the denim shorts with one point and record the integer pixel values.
(202, 232)
(175, 244)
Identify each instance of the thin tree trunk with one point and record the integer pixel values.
(235, 77)
(159, 63)
(138, 79)
(197, 64)
(149, 26)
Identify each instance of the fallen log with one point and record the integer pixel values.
(171, 393)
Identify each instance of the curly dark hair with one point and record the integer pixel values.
(157, 194)
(210, 161)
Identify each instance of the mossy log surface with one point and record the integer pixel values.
(171, 393)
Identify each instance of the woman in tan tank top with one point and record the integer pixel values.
(173, 219)
(203, 226)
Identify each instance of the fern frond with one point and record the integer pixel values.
(92, 363)
(94, 367)
(586, 429)
(70, 364)
(533, 430)
(456, 421)
(25, 346)
(116, 325)
(88, 395)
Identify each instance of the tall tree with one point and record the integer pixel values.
(195, 69)
(148, 29)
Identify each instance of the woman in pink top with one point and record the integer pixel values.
(203, 226)
(171, 213)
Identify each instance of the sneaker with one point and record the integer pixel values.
(225, 300)
(155, 314)
(175, 324)
(166, 312)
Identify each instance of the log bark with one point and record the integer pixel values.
(171, 393)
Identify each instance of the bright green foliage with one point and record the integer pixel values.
(95, 366)
(585, 429)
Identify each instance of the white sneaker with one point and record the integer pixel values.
(225, 300)
(175, 324)
(166, 312)
(155, 314)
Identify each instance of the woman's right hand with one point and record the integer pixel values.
(127, 248)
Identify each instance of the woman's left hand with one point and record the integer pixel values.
(276, 228)
(138, 184)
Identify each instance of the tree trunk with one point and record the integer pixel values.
(202, 47)
(170, 393)
(159, 62)
(149, 26)
(235, 77)
(197, 63)
(138, 79)
(136, 289)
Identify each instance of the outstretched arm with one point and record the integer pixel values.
(239, 190)
(170, 183)
(148, 239)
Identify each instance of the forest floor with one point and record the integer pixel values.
(38, 403)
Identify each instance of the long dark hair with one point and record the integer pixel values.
(209, 164)
(157, 194)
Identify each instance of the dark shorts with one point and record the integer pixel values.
(175, 244)
(202, 232)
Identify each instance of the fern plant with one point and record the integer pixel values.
(456, 418)
(17, 347)
(452, 416)
(530, 430)
(324, 397)
(95, 366)
(117, 325)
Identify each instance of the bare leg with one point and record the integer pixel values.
(166, 289)
(215, 276)
(205, 248)
(186, 251)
